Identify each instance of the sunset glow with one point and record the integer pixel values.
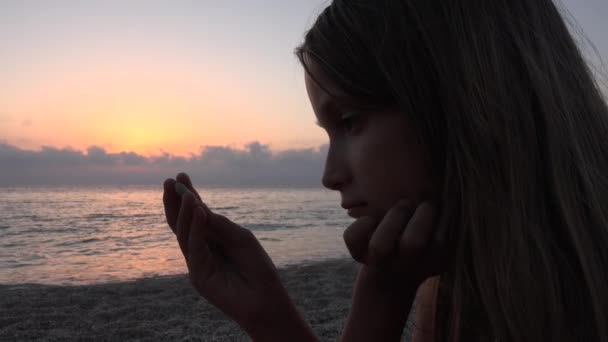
(166, 83)
(170, 77)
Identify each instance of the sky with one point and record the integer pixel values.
(127, 91)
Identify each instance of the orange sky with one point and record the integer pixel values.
(141, 107)
(150, 86)
(171, 76)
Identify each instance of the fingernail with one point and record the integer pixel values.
(180, 188)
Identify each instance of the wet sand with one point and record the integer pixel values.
(165, 308)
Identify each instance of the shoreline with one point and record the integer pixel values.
(166, 308)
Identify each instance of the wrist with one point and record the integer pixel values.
(380, 307)
(283, 323)
(382, 283)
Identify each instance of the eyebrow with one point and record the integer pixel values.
(343, 102)
(324, 125)
(325, 122)
(327, 107)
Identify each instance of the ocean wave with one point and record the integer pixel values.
(269, 226)
(224, 208)
(114, 216)
(13, 244)
(79, 242)
(269, 239)
(33, 218)
(102, 216)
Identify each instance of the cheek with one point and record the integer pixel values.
(388, 168)
(379, 160)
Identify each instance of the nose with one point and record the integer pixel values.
(336, 173)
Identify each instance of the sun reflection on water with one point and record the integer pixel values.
(71, 235)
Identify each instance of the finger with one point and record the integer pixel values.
(417, 235)
(385, 239)
(171, 203)
(184, 221)
(357, 237)
(200, 259)
(183, 178)
(181, 189)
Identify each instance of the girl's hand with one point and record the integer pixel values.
(228, 266)
(408, 245)
(397, 254)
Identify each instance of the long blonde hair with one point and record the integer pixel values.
(518, 133)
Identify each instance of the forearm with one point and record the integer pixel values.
(280, 323)
(379, 310)
(293, 328)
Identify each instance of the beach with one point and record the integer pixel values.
(165, 308)
(101, 264)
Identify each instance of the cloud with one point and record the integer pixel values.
(254, 165)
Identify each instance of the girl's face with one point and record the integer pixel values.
(373, 158)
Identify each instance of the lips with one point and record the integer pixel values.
(349, 205)
(355, 209)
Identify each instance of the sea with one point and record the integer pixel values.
(69, 235)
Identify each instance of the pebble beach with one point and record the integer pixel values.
(165, 308)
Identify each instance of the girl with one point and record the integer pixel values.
(469, 141)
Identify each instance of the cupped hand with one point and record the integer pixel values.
(226, 263)
(408, 245)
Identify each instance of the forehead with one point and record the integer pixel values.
(319, 83)
(324, 94)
